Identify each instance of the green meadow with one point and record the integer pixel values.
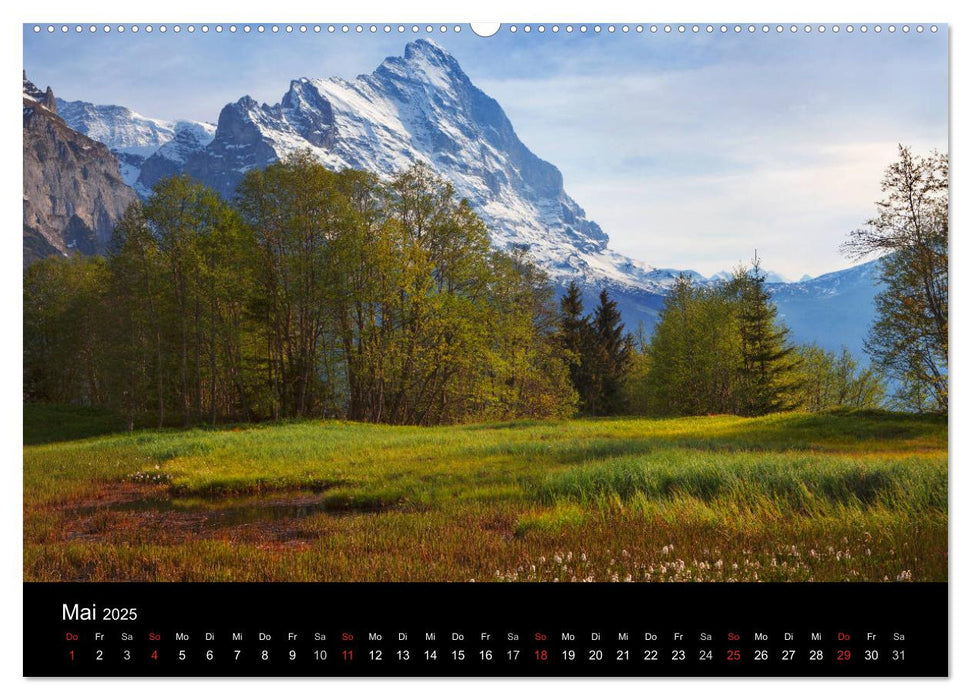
(859, 496)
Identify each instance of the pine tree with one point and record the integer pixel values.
(767, 358)
(575, 340)
(611, 354)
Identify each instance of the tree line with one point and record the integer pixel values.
(316, 293)
(335, 294)
(716, 348)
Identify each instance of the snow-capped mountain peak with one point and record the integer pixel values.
(422, 107)
(117, 127)
(145, 147)
(417, 107)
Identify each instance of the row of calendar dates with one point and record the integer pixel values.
(265, 648)
(460, 654)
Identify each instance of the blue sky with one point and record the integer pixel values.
(689, 150)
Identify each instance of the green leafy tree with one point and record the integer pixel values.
(294, 210)
(827, 381)
(717, 349)
(909, 340)
(533, 378)
(320, 293)
(64, 324)
(637, 398)
(138, 349)
(694, 356)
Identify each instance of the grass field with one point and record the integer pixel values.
(794, 497)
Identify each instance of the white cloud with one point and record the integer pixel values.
(696, 167)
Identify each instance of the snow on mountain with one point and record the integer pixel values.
(170, 158)
(34, 97)
(832, 284)
(137, 139)
(421, 107)
(832, 310)
(770, 276)
(776, 277)
(118, 128)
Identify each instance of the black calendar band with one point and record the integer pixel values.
(486, 629)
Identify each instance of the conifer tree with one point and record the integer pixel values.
(575, 339)
(611, 354)
(767, 357)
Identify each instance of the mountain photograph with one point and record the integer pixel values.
(545, 308)
(73, 190)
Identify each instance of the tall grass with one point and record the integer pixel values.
(861, 496)
(794, 481)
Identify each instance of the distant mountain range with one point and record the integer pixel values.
(832, 310)
(770, 276)
(422, 107)
(147, 149)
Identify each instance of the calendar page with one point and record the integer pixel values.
(485, 350)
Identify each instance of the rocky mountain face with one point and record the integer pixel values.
(73, 190)
(147, 149)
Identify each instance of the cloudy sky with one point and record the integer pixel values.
(690, 151)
